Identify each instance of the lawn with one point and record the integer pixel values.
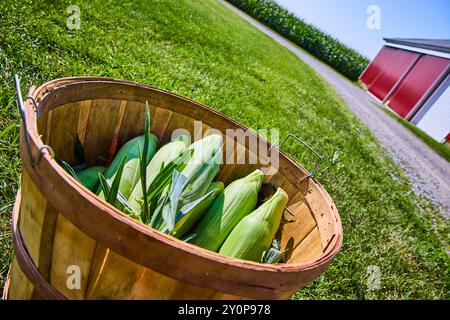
(202, 50)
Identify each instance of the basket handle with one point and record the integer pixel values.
(21, 107)
(319, 160)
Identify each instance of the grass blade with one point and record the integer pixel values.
(7, 129)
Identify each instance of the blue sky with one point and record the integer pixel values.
(347, 20)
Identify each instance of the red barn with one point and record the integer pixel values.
(412, 78)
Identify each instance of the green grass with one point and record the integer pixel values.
(440, 148)
(202, 50)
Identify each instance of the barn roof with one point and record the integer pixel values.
(441, 45)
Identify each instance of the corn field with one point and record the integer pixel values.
(323, 46)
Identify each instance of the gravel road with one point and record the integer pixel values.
(428, 172)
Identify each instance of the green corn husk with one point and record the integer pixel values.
(253, 235)
(274, 254)
(131, 173)
(237, 200)
(89, 177)
(192, 216)
(202, 167)
(160, 160)
(194, 181)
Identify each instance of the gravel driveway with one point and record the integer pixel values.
(428, 172)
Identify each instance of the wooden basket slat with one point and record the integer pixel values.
(47, 240)
(325, 222)
(283, 182)
(71, 247)
(114, 146)
(160, 122)
(300, 226)
(83, 119)
(153, 286)
(64, 125)
(48, 128)
(132, 124)
(22, 288)
(308, 250)
(32, 216)
(178, 121)
(100, 128)
(105, 272)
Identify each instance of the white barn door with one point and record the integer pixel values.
(434, 117)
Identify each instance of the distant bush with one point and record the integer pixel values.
(323, 46)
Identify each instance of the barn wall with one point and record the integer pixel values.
(376, 66)
(434, 116)
(406, 81)
(416, 84)
(397, 63)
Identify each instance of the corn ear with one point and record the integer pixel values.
(237, 200)
(191, 184)
(120, 202)
(192, 214)
(131, 173)
(89, 177)
(253, 235)
(161, 159)
(202, 167)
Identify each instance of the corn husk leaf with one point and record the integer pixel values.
(188, 238)
(89, 177)
(126, 208)
(131, 172)
(191, 213)
(254, 233)
(179, 183)
(68, 169)
(79, 168)
(274, 254)
(159, 184)
(162, 158)
(111, 191)
(79, 150)
(199, 172)
(105, 187)
(235, 202)
(112, 196)
(143, 163)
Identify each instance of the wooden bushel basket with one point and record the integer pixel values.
(69, 244)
